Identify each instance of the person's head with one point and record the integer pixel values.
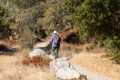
(55, 33)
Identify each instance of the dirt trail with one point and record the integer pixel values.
(90, 74)
(40, 44)
(97, 62)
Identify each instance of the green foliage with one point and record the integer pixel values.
(97, 19)
(25, 4)
(4, 26)
(27, 38)
(100, 20)
(54, 16)
(113, 48)
(94, 18)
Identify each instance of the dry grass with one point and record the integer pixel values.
(11, 68)
(94, 62)
(97, 63)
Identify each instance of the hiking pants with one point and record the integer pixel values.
(55, 51)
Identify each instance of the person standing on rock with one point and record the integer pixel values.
(55, 41)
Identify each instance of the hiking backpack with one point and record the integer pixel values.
(56, 40)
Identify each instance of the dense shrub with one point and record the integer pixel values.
(113, 48)
(27, 38)
(4, 26)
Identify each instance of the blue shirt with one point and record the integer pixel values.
(51, 40)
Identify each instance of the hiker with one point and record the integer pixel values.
(55, 41)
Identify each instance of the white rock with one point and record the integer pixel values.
(37, 52)
(63, 69)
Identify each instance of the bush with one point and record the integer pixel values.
(113, 48)
(4, 26)
(27, 38)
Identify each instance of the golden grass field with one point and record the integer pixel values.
(11, 68)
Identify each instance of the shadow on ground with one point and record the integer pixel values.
(4, 50)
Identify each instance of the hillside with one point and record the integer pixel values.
(89, 30)
(96, 22)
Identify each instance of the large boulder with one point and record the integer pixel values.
(63, 70)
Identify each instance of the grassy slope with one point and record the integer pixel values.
(97, 63)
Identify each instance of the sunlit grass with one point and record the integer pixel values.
(11, 68)
(97, 63)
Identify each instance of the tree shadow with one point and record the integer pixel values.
(4, 50)
(72, 38)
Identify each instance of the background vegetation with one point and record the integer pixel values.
(4, 25)
(94, 20)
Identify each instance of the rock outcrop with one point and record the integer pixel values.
(63, 70)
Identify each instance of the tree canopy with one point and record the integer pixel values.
(93, 19)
